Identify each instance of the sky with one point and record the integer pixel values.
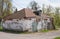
(20, 4)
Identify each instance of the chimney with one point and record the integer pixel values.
(15, 10)
(38, 12)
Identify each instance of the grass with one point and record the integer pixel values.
(57, 38)
(44, 30)
(1, 29)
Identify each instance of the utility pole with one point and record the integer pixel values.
(43, 8)
(1, 11)
(2, 7)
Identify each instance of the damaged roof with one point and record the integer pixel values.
(20, 14)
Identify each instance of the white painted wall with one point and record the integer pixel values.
(22, 25)
(18, 25)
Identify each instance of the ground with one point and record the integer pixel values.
(46, 35)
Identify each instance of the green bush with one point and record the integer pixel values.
(57, 20)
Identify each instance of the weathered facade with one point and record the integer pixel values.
(48, 22)
(25, 19)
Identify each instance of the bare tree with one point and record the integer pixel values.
(8, 7)
(49, 9)
(35, 7)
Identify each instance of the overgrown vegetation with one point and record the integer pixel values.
(55, 15)
(57, 21)
(57, 38)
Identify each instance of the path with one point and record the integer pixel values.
(49, 35)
